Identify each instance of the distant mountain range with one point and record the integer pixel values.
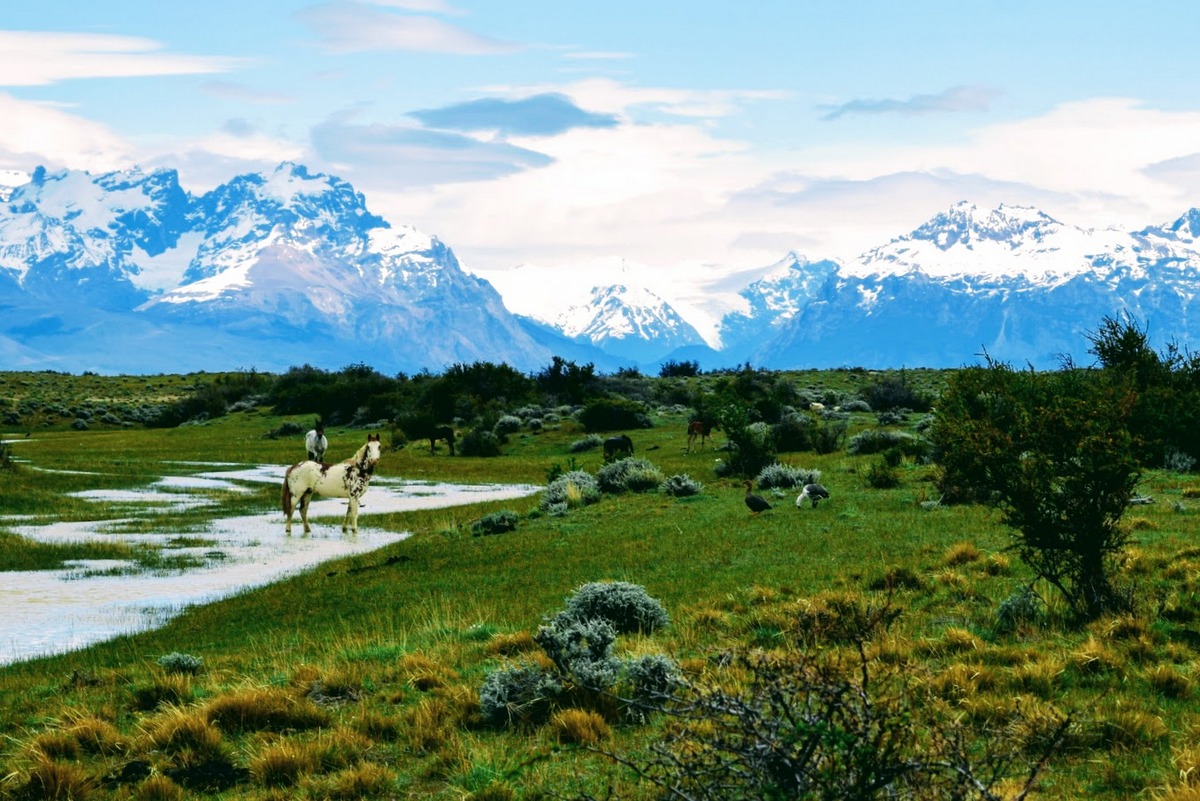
(127, 272)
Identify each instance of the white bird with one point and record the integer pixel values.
(811, 492)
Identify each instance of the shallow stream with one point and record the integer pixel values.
(53, 611)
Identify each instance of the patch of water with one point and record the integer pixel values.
(47, 612)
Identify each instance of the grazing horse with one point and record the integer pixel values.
(615, 446)
(698, 429)
(441, 432)
(348, 479)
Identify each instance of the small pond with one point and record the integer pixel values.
(54, 611)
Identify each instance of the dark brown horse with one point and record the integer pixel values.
(698, 429)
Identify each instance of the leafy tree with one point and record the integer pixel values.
(1053, 452)
(565, 381)
(675, 369)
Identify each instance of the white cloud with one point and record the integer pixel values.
(36, 134)
(35, 58)
(352, 27)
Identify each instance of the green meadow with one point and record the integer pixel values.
(361, 678)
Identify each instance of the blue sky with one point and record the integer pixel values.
(554, 145)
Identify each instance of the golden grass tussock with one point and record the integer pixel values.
(1042, 678)
(1169, 681)
(283, 764)
(423, 673)
(378, 725)
(963, 553)
(1186, 759)
(96, 735)
(179, 729)
(1130, 729)
(962, 681)
(55, 744)
(428, 724)
(158, 788)
(1190, 492)
(1096, 656)
(364, 780)
(264, 709)
(1185, 791)
(503, 644)
(579, 727)
(997, 564)
(173, 689)
(954, 640)
(50, 779)
(496, 791)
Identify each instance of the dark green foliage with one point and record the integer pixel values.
(882, 474)
(674, 369)
(626, 606)
(794, 432)
(588, 443)
(6, 460)
(896, 391)
(1023, 606)
(479, 442)
(830, 436)
(614, 414)
(751, 446)
(1053, 452)
(495, 523)
(878, 440)
(564, 381)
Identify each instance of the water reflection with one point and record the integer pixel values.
(49, 612)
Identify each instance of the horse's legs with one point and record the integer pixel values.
(304, 500)
(351, 518)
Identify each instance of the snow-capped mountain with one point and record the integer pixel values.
(1012, 282)
(128, 272)
(631, 323)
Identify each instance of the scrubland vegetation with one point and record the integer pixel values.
(1001, 599)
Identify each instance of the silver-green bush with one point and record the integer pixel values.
(681, 486)
(575, 488)
(628, 607)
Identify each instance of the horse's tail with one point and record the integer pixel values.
(287, 500)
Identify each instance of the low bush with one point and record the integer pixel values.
(877, 440)
(176, 662)
(783, 476)
(582, 650)
(628, 607)
(508, 424)
(495, 523)
(570, 490)
(628, 475)
(588, 443)
(479, 442)
(614, 414)
(522, 694)
(681, 486)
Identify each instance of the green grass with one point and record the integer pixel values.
(406, 634)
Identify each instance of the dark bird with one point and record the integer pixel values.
(811, 492)
(757, 503)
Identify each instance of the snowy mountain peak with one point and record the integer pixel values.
(966, 225)
(628, 321)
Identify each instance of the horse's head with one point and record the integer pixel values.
(371, 456)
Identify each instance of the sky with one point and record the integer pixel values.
(680, 146)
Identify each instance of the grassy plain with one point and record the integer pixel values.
(379, 658)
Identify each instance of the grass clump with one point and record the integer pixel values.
(264, 709)
(681, 486)
(785, 476)
(571, 490)
(630, 474)
(495, 523)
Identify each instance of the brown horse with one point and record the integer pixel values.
(698, 429)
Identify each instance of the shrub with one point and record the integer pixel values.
(479, 442)
(630, 474)
(652, 678)
(830, 436)
(582, 650)
(508, 424)
(613, 414)
(877, 440)
(588, 443)
(176, 662)
(784, 476)
(573, 489)
(681, 486)
(626, 606)
(495, 523)
(1054, 453)
(794, 432)
(882, 475)
(896, 392)
(265, 710)
(1023, 606)
(521, 694)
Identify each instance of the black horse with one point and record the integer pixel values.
(617, 446)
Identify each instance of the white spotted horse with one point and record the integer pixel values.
(348, 479)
